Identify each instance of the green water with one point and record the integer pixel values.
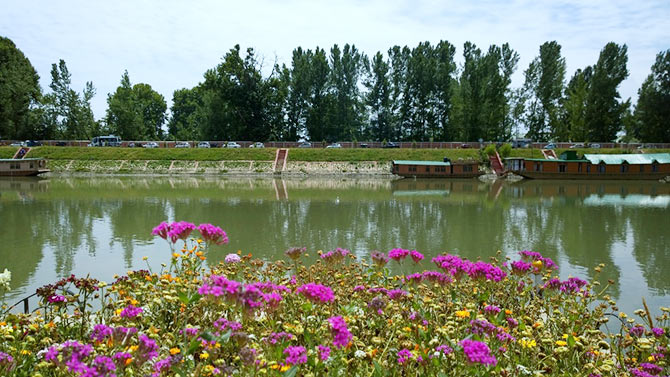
(101, 226)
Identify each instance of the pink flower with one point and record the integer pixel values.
(295, 355)
(161, 230)
(341, 335)
(416, 256)
(180, 230)
(211, 233)
(478, 352)
(316, 292)
(398, 254)
(130, 311)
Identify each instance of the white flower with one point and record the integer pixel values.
(359, 354)
(5, 277)
(232, 258)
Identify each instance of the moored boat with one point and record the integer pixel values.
(22, 167)
(592, 166)
(435, 169)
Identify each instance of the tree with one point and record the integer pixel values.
(544, 87)
(653, 105)
(68, 115)
(574, 105)
(183, 124)
(136, 112)
(604, 111)
(19, 94)
(346, 68)
(378, 98)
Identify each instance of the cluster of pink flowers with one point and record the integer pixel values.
(232, 259)
(295, 355)
(520, 267)
(277, 337)
(532, 256)
(572, 285)
(492, 309)
(324, 352)
(316, 292)
(396, 294)
(218, 285)
(55, 299)
(180, 230)
(478, 352)
(458, 267)
(335, 256)
(340, 332)
(398, 254)
(130, 311)
(404, 355)
(380, 259)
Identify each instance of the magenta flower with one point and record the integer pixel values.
(395, 294)
(277, 337)
(324, 352)
(316, 292)
(483, 270)
(295, 355)
(6, 358)
(341, 335)
(478, 352)
(436, 277)
(218, 285)
(658, 332)
(147, 348)
(398, 254)
(130, 311)
(161, 230)
(56, 299)
(102, 366)
(380, 259)
(101, 332)
(404, 355)
(180, 230)
(335, 256)
(520, 267)
(416, 256)
(213, 234)
(491, 310)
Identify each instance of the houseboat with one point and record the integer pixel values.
(435, 169)
(592, 166)
(16, 167)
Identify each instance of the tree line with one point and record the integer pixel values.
(405, 94)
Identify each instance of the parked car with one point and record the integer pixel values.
(151, 144)
(257, 144)
(305, 144)
(363, 145)
(61, 144)
(18, 144)
(550, 146)
(182, 144)
(334, 145)
(578, 145)
(33, 143)
(391, 144)
(204, 144)
(464, 146)
(594, 146)
(231, 144)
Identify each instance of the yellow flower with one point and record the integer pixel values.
(561, 343)
(284, 368)
(176, 255)
(462, 313)
(651, 358)
(537, 264)
(204, 355)
(527, 343)
(174, 351)
(25, 352)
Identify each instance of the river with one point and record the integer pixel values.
(101, 226)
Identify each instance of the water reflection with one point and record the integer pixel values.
(51, 228)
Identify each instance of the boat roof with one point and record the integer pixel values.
(632, 159)
(20, 159)
(411, 162)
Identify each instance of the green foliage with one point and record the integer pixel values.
(490, 150)
(19, 94)
(652, 115)
(66, 113)
(135, 112)
(505, 150)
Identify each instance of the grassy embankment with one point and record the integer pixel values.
(268, 154)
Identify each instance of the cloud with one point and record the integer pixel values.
(169, 44)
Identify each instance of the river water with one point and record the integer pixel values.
(101, 226)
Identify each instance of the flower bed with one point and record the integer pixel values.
(338, 316)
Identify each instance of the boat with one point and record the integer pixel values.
(569, 165)
(435, 169)
(14, 167)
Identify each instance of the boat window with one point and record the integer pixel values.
(641, 168)
(654, 166)
(538, 166)
(601, 167)
(427, 169)
(412, 168)
(624, 167)
(467, 168)
(561, 168)
(588, 168)
(579, 167)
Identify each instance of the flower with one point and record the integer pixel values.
(380, 259)
(5, 278)
(478, 352)
(295, 355)
(161, 230)
(210, 233)
(658, 332)
(324, 352)
(462, 313)
(232, 258)
(341, 335)
(316, 292)
(101, 332)
(398, 254)
(416, 256)
(404, 355)
(335, 256)
(295, 252)
(527, 343)
(130, 311)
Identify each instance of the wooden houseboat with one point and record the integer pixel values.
(592, 166)
(16, 167)
(435, 169)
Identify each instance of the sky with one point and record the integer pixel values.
(169, 44)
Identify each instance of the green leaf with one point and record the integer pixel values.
(291, 372)
(192, 347)
(183, 298)
(207, 336)
(571, 341)
(195, 297)
(224, 338)
(307, 307)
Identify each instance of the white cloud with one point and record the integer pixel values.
(169, 44)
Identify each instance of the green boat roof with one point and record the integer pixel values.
(633, 159)
(431, 163)
(553, 160)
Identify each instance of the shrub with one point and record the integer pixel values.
(505, 150)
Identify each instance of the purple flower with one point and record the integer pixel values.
(101, 332)
(445, 349)
(5, 358)
(335, 256)
(209, 232)
(316, 292)
(276, 337)
(189, 331)
(120, 358)
(436, 277)
(520, 267)
(404, 355)
(637, 331)
(651, 368)
(295, 252)
(102, 366)
(377, 304)
(130, 311)
(163, 365)
(341, 335)
(379, 258)
(295, 355)
(396, 294)
(512, 322)
(217, 286)
(55, 299)
(658, 332)
(148, 349)
(478, 352)
(223, 324)
(232, 258)
(491, 310)
(324, 352)
(486, 271)
(639, 373)
(161, 230)
(398, 254)
(180, 230)
(359, 288)
(416, 256)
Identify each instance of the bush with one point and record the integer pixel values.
(490, 150)
(505, 150)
